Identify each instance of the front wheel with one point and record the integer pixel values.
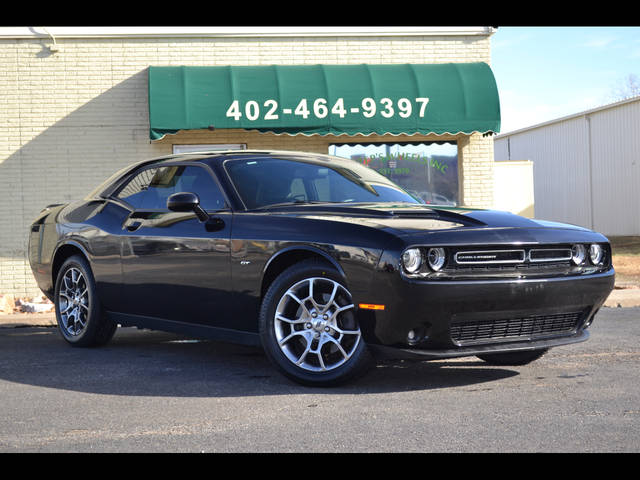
(308, 326)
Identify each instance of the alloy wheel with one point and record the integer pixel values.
(73, 302)
(315, 326)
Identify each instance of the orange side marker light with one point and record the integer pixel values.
(371, 306)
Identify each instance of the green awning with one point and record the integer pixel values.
(325, 99)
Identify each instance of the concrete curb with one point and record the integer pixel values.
(619, 298)
(15, 320)
(623, 297)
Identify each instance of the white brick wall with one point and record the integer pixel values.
(70, 119)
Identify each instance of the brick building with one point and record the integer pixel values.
(75, 107)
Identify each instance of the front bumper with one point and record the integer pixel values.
(460, 318)
(515, 346)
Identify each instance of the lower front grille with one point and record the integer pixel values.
(514, 328)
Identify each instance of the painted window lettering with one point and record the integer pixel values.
(319, 108)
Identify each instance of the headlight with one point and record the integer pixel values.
(411, 260)
(596, 254)
(578, 254)
(436, 258)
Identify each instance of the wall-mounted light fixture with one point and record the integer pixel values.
(55, 47)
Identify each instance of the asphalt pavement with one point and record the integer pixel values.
(158, 392)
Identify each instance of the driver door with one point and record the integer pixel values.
(174, 267)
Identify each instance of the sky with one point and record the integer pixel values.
(544, 73)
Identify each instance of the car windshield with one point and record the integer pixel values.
(263, 182)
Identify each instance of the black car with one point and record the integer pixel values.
(320, 260)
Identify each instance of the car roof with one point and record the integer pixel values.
(210, 157)
(221, 155)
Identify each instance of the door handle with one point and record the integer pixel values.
(133, 226)
(213, 224)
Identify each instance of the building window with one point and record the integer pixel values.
(428, 171)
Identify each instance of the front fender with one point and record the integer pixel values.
(302, 248)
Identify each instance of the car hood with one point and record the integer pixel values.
(408, 219)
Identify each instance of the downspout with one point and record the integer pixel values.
(588, 119)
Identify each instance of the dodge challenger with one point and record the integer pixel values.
(320, 260)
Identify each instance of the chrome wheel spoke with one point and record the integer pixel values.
(289, 320)
(292, 335)
(333, 296)
(310, 296)
(66, 308)
(342, 309)
(79, 320)
(300, 302)
(318, 352)
(346, 332)
(302, 357)
(338, 346)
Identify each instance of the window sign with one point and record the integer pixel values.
(427, 171)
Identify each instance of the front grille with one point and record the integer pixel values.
(463, 262)
(549, 254)
(497, 259)
(522, 267)
(514, 328)
(489, 256)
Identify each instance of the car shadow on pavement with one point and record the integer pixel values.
(146, 363)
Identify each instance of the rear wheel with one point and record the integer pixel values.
(308, 326)
(81, 319)
(513, 358)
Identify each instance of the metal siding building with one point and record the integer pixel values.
(586, 167)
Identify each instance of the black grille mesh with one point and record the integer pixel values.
(529, 326)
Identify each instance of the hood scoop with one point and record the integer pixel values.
(439, 215)
(377, 210)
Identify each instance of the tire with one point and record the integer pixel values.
(308, 327)
(513, 358)
(81, 319)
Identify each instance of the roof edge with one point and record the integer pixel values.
(239, 31)
(569, 117)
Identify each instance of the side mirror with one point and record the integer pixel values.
(187, 202)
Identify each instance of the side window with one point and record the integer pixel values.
(323, 188)
(298, 192)
(134, 191)
(162, 186)
(196, 180)
(150, 189)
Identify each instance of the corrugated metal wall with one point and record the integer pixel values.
(586, 168)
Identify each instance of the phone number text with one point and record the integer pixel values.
(319, 108)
